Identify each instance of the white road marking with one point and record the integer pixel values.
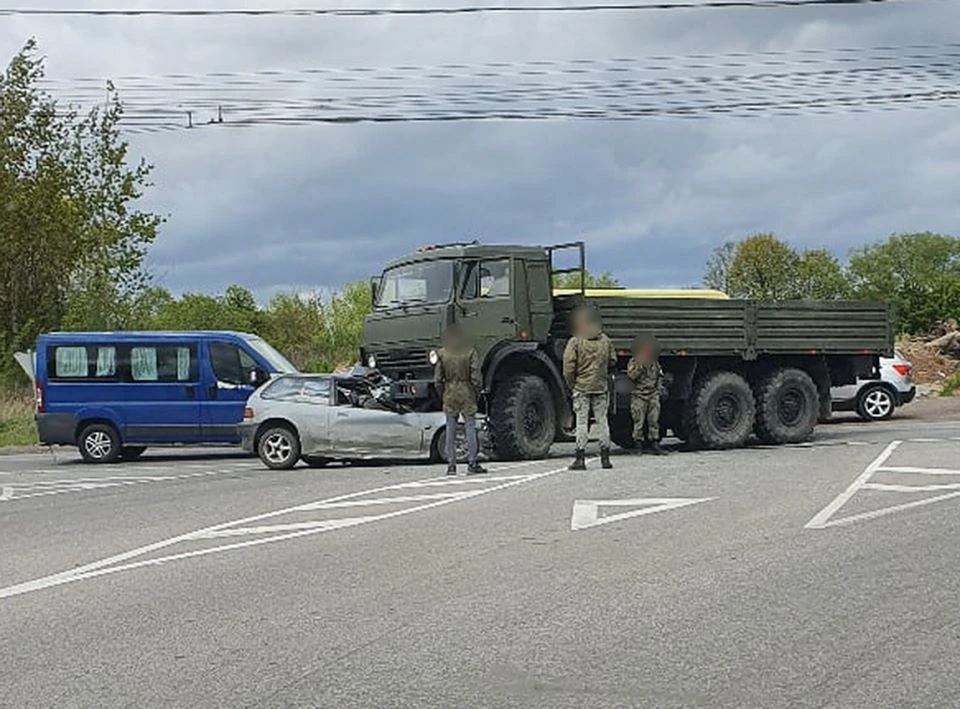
(586, 513)
(116, 563)
(920, 471)
(824, 518)
(6, 493)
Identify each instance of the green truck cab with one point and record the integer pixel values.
(733, 368)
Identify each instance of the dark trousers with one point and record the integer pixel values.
(470, 428)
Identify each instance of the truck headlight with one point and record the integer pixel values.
(433, 357)
(372, 362)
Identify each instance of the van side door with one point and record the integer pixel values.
(226, 388)
(158, 398)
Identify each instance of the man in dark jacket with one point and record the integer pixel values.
(457, 378)
(586, 365)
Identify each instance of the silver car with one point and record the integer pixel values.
(322, 418)
(876, 399)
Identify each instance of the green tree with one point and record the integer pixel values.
(572, 280)
(920, 273)
(763, 267)
(72, 241)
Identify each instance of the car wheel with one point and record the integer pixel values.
(876, 403)
(279, 448)
(439, 452)
(99, 443)
(132, 452)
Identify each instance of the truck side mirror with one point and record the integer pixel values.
(374, 288)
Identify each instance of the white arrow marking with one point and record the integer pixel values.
(586, 513)
(824, 518)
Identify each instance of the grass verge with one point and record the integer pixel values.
(951, 386)
(17, 427)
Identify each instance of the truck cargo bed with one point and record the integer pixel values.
(749, 329)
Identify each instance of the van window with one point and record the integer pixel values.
(231, 364)
(163, 363)
(82, 363)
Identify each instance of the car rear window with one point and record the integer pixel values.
(296, 386)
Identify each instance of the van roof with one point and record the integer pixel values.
(142, 334)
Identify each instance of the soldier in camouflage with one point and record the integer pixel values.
(587, 359)
(644, 370)
(457, 378)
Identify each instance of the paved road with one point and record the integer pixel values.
(822, 575)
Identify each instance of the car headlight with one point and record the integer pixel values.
(433, 357)
(372, 362)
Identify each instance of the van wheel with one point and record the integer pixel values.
(99, 443)
(279, 448)
(132, 452)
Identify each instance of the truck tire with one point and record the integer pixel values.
(788, 406)
(721, 412)
(523, 419)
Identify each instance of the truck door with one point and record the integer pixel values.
(485, 298)
(226, 388)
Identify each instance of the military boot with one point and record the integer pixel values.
(476, 469)
(578, 462)
(605, 459)
(451, 469)
(656, 449)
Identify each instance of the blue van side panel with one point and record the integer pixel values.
(199, 411)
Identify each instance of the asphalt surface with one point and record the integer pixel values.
(822, 575)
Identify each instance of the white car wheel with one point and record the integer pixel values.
(876, 404)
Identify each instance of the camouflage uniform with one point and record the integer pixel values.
(586, 362)
(457, 378)
(645, 399)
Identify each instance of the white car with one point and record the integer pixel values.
(876, 399)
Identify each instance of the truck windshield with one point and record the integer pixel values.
(426, 282)
(277, 361)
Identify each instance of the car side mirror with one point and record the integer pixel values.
(257, 377)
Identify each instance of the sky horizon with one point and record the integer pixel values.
(310, 207)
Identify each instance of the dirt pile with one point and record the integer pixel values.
(935, 355)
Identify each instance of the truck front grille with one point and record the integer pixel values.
(396, 361)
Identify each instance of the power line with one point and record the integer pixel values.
(465, 10)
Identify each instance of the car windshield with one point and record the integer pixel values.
(277, 361)
(426, 282)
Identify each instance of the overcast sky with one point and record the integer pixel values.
(311, 207)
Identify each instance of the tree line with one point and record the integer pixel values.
(918, 273)
(73, 242)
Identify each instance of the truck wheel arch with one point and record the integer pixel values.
(525, 358)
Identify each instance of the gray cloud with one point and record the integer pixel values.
(311, 207)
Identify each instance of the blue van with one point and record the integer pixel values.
(112, 394)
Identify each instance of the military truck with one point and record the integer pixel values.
(733, 369)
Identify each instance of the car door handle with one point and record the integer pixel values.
(471, 314)
(342, 415)
(214, 390)
(507, 319)
(191, 393)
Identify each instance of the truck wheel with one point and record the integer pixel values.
(788, 406)
(721, 412)
(522, 418)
